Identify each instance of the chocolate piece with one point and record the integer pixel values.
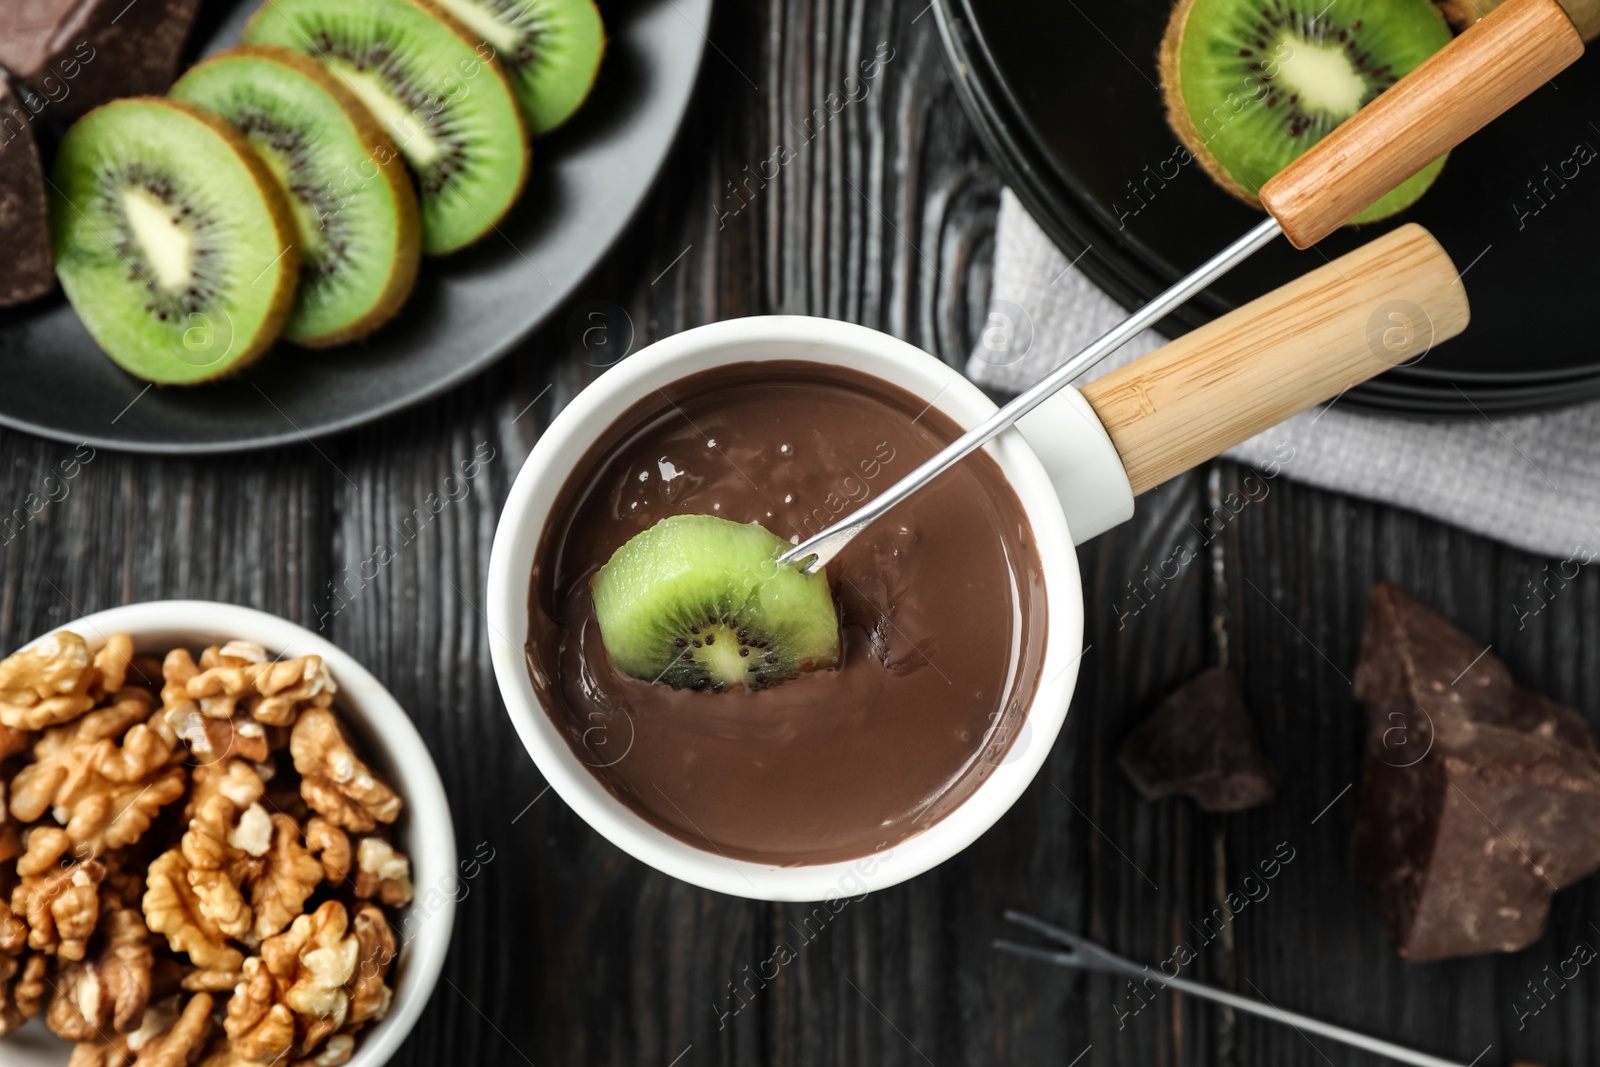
(27, 269)
(79, 54)
(1201, 743)
(1479, 799)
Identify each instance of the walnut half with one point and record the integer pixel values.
(106, 775)
(58, 898)
(46, 684)
(334, 780)
(295, 994)
(107, 994)
(173, 1034)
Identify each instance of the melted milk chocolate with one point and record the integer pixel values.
(942, 605)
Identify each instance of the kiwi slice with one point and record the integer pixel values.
(1251, 84)
(699, 602)
(355, 210)
(172, 239)
(551, 49)
(443, 99)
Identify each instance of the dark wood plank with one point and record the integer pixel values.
(567, 951)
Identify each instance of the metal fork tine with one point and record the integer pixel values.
(1083, 954)
(1034, 952)
(1042, 928)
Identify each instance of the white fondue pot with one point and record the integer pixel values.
(1076, 463)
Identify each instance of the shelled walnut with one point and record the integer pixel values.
(108, 993)
(194, 864)
(104, 775)
(174, 1033)
(334, 780)
(382, 873)
(58, 897)
(20, 973)
(46, 684)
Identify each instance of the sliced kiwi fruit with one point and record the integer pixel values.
(173, 240)
(443, 99)
(1250, 85)
(551, 49)
(699, 602)
(355, 210)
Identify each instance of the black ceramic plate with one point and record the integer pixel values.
(587, 180)
(1066, 98)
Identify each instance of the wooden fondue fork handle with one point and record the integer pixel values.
(1457, 91)
(1384, 304)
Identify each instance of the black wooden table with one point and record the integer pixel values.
(569, 952)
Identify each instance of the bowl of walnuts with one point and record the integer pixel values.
(218, 834)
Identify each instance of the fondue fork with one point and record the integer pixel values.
(1500, 60)
(1082, 954)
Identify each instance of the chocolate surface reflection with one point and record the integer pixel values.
(942, 605)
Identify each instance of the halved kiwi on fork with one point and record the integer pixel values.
(698, 602)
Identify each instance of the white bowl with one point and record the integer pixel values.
(786, 337)
(385, 738)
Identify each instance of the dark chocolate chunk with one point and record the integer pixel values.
(1201, 743)
(1479, 798)
(27, 269)
(79, 54)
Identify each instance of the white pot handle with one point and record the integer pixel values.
(1384, 304)
(1083, 465)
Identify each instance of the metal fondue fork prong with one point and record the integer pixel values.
(1081, 953)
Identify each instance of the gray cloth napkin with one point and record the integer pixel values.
(1530, 480)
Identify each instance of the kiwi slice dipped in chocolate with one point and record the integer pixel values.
(172, 239)
(1250, 85)
(355, 210)
(551, 49)
(442, 97)
(698, 602)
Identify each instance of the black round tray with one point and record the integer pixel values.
(1067, 103)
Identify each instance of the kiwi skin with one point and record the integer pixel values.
(282, 215)
(383, 153)
(493, 65)
(1178, 111)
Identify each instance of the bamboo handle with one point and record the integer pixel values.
(1457, 91)
(1382, 305)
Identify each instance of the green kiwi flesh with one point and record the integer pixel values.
(172, 240)
(1250, 85)
(354, 208)
(443, 100)
(550, 48)
(698, 602)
